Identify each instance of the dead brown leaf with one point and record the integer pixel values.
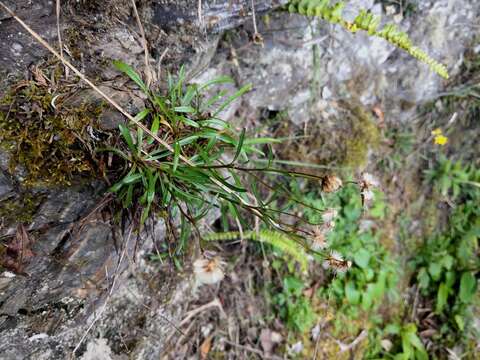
(18, 251)
(205, 347)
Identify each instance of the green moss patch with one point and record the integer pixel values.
(51, 140)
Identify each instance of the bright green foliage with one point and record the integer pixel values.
(451, 177)
(447, 264)
(208, 165)
(373, 274)
(409, 347)
(365, 21)
(154, 177)
(294, 308)
(276, 239)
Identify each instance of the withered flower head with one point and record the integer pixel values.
(331, 183)
(319, 241)
(208, 271)
(336, 263)
(367, 183)
(329, 215)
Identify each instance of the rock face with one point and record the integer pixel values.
(304, 67)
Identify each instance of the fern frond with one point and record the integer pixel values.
(274, 238)
(365, 21)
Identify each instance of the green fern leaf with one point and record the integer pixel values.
(365, 21)
(274, 238)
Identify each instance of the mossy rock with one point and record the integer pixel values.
(52, 141)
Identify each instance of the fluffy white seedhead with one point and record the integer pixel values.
(208, 271)
(329, 215)
(319, 241)
(369, 181)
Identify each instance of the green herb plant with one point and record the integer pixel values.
(293, 306)
(210, 165)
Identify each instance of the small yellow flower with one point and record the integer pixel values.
(441, 140)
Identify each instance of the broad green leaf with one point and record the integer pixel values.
(362, 258)
(460, 322)
(442, 297)
(367, 297)
(423, 278)
(435, 270)
(468, 287)
(393, 329)
(352, 294)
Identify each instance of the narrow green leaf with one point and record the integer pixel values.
(154, 128)
(142, 114)
(127, 136)
(128, 70)
(129, 197)
(189, 122)
(185, 109)
(239, 146)
(132, 178)
(188, 97)
(218, 80)
(145, 213)
(176, 155)
(232, 98)
(114, 188)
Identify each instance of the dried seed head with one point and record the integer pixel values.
(319, 241)
(329, 215)
(331, 183)
(367, 183)
(336, 263)
(208, 271)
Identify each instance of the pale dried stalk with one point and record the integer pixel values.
(148, 70)
(59, 35)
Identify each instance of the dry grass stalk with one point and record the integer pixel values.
(148, 70)
(59, 35)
